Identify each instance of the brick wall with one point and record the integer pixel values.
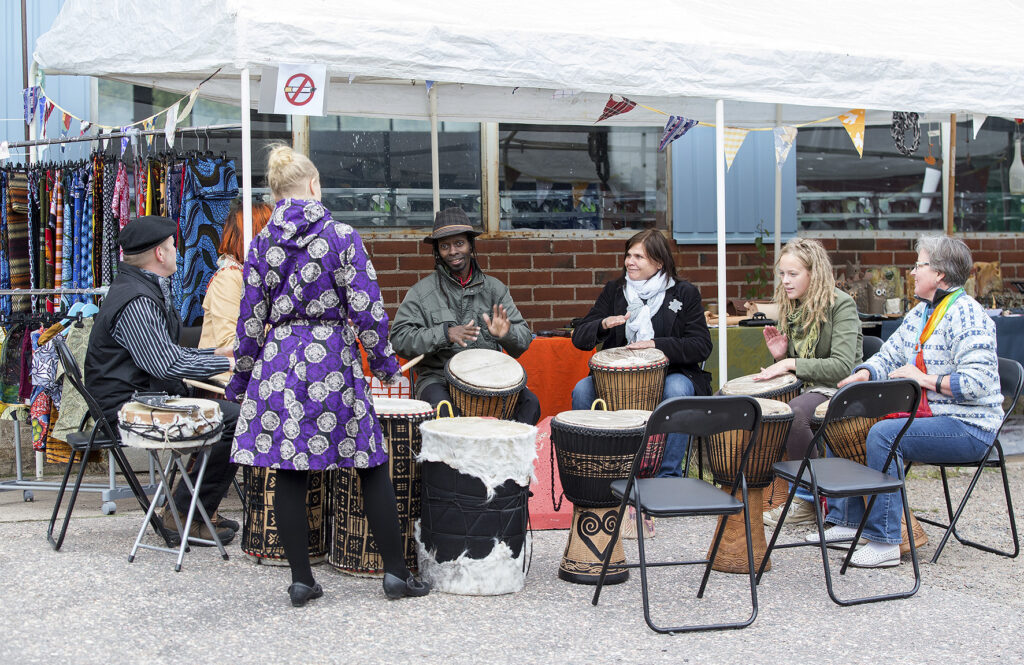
(555, 280)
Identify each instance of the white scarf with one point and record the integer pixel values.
(643, 299)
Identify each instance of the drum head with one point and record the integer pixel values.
(482, 428)
(773, 407)
(746, 385)
(819, 411)
(397, 406)
(147, 427)
(605, 420)
(483, 368)
(623, 358)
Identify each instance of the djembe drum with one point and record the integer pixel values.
(629, 378)
(261, 540)
(725, 452)
(471, 537)
(353, 549)
(484, 383)
(782, 388)
(593, 448)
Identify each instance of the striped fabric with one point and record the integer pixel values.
(613, 108)
(733, 140)
(17, 238)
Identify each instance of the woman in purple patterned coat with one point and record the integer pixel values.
(310, 291)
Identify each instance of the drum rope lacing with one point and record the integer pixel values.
(175, 432)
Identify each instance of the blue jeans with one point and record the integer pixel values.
(676, 445)
(938, 439)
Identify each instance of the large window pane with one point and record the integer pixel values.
(564, 177)
(983, 198)
(376, 173)
(883, 190)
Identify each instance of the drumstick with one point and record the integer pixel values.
(204, 386)
(412, 363)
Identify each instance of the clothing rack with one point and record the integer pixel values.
(98, 291)
(118, 135)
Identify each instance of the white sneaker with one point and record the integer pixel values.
(876, 555)
(834, 534)
(800, 512)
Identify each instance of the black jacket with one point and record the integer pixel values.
(680, 331)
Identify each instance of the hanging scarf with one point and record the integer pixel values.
(804, 335)
(923, 410)
(643, 299)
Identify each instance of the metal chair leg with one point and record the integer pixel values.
(56, 544)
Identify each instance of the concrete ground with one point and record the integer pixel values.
(87, 604)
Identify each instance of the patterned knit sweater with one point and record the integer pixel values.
(963, 346)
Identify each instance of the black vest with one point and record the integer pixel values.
(110, 373)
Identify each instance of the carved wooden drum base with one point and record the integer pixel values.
(591, 530)
(732, 552)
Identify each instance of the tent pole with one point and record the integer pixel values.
(949, 157)
(778, 195)
(434, 156)
(723, 343)
(246, 161)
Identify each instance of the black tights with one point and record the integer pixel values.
(381, 514)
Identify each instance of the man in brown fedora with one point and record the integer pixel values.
(458, 307)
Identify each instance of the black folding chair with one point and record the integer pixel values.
(872, 345)
(838, 477)
(699, 417)
(103, 436)
(1011, 379)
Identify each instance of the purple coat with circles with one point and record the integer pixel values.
(310, 291)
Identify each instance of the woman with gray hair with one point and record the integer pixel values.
(947, 343)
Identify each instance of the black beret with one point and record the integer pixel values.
(145, 233)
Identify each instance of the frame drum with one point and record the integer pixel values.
(144, 426)
(629, 379)
(484, 383)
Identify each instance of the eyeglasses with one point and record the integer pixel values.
(917, 266)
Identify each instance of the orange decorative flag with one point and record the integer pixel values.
(854, 124)
(613, 108)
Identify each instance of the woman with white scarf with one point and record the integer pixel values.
(650, 307)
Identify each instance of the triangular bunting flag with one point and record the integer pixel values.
(83, 127)
(676, 126)
(430, 84)
(978, 120)
(46, 115)
(170, 124)
(188, 107)
(65, 119)
(613, 108)
(784, 137)
(124, 140)
(733, 140)
(148, 126)
(31, 98)
(854, 124)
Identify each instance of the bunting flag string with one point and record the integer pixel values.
(854, 124)
(784, 138)
(613, 108)
(733, 141)
(676, 126)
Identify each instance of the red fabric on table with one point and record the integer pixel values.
(553, 368)
(542, 510)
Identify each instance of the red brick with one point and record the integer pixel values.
(992, 244)
(573, 246)
(546, 324)
(554, 293)
(610, 246)
(554, 261)
(876, 258)
(422, 263)
(397, 247)
(490, 246)
(569, 311)
(588, 293)
(520, 294)
(894, 244)
(385, 263)
(1011, 256)
(840, 259)
(533, 277)
(529, 246)
(594, 261)
(532, 311)
(904, 258)
(985, 256)
(829, 244)
(602, 277)
(708, 275)
(506, 261)
(403, 279)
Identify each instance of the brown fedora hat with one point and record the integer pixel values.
(451, 222)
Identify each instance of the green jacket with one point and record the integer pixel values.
(419, 325)
(839, 349)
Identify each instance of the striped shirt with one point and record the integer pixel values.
(142, 330)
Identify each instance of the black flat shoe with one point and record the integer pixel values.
(395, 587)
(302, 593)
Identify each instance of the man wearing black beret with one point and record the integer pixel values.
(134, 347)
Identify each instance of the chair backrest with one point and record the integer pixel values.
(872, 345)
(1011, 380)
(73, 374)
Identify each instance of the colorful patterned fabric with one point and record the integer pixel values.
(613, 108)
(110, 227)
(17, 238)
(210, 186)
(10, 364)
(5, 268)
(676, 126)
(306, 402)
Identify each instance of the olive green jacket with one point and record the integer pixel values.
(839, 349)
(436, 300)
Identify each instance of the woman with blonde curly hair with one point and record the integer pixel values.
(819, 339)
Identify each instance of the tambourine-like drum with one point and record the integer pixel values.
(782, 388)
(484, 383)
(846, 437)
(261, 540)
(353, 549)
(186, 424)
(471, 538)
(628, 378)
(725, 452)
(593, 448)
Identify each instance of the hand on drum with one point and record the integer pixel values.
(462, 334)
(778, 369)
(644, 344)
(778, 344)
(498, 324)
(859, 375)
(911, 372)
(610, 322)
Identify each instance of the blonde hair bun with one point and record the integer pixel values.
(288, 172)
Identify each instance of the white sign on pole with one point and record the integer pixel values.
(299, 89)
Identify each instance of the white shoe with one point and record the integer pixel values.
(834, 534)
(800, 512)
(876, 555)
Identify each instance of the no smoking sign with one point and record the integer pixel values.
(296, 89)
